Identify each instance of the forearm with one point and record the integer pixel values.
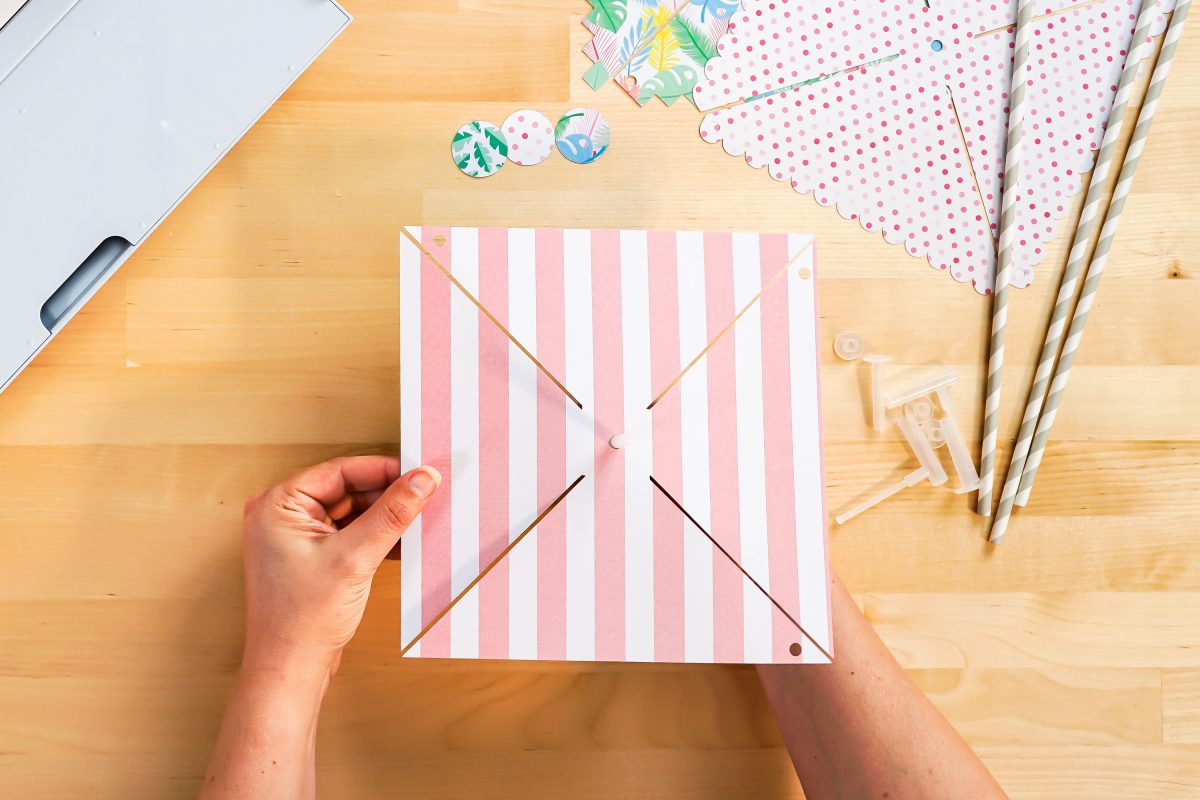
(267, 744)
(861, 728)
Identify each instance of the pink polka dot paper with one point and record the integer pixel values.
(530, 137)
(913, 146)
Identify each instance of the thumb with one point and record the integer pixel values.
(382, 525)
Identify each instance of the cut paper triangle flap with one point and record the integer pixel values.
(740, 401)
(485, 415)
(721, 617)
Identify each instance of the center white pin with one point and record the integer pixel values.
(619, 441)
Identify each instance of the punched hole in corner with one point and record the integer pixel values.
(94, 269)
(795, 649)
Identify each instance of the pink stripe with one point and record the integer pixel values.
(494, 531)
(728, 634)
(668, 446)
(777, 421)
(552, 438)
(609, 475)
(435, 439)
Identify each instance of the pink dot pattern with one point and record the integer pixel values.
(913, 148)
(530, 137)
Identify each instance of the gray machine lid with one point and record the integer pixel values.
(110, 112)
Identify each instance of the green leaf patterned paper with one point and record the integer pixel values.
(693, 40)
(608, 14)
(669, 85)
(596, 76)
(479, 149)
(655, 38)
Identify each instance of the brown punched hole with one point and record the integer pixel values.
(805, 273)
(794, 649)
(439, 240)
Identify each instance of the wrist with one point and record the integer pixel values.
(286, 662)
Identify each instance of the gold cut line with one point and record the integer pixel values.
(742, 569)
(488, 314)
(489, 567)
(971, 165)
(730, 324)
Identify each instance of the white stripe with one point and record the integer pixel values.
(522, 445)
(806, 451)
(410, 430)
(581, 448)
(639, 502)
(693, 400)
(752, 459)
(464, 442)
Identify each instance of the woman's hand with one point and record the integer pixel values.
(312, 545)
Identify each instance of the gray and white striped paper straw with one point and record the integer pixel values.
(1095, 269)
(1008, 235)
(1097, 191)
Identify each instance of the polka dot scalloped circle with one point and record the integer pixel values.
(896, 114)
(530, 138)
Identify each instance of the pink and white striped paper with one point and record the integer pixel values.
(616, 571)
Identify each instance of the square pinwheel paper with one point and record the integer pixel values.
(628, 428)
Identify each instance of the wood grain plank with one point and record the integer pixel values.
(1181, 706)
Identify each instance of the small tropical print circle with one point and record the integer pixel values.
(479, 149)
(529, 136)
(582, 135)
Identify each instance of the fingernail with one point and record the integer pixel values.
(424, 481)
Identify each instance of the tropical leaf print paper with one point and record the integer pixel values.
(669, 85)
(716, 9)
(664, 47)
(479, 149)
(658, 48)
(608, 14)
(582, 135)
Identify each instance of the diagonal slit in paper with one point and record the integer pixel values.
(740, 568)
(502, 555)
(483, 310)
(729, 326)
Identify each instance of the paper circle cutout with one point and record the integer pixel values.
(529, 137)
(479, 149)
(582, 135)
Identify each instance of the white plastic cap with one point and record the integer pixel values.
(847, 345)
(919, 410)
(934, 434)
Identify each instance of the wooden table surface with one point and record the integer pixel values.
(256, 332)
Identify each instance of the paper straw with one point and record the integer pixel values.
(1095, 269)
(1097, 189)
(1008, 235)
